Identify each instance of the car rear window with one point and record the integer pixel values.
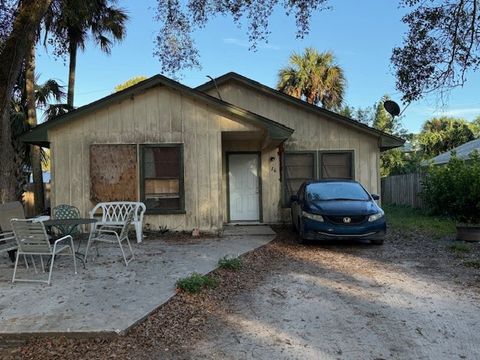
(336, 191)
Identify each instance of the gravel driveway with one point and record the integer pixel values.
(410, 299)
(405, 300)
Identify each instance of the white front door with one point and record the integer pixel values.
(244, 189)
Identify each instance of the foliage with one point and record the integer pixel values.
(363, 115)
(230, 263)
(315, 78)
(77, 21)
(441, 45)
(196, 282)
(460, 247)
(407, 219)
(175, 47)
(49, 94)
(454, 189)
(474, 264)
(130, 82)
(444, 133)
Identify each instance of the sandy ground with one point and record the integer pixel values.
(412, 298)
(352, 301)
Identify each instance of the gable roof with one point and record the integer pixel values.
(39, 134)
(462, 152)
(388, 141)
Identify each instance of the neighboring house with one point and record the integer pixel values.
(232, 150)
(462, 152)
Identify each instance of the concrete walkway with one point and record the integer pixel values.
(108, 297)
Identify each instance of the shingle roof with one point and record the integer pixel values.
(462, 152)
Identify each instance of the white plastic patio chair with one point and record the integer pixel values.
(32, 239)
(113, 235)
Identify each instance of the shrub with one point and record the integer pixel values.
(454, 189)
(230, 263)
(474, 264)
(196, 282)
(460, 247)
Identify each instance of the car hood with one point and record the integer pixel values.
(343, 207)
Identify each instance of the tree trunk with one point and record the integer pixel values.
(72, 48)
(15, 47)
(35, 151)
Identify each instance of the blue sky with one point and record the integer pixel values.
(360, 33)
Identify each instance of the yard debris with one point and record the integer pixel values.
(172, 331)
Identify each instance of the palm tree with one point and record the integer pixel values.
(48, 96)
(313, 77)
(70, 23)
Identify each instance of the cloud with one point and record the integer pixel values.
(246, 44)
(461, 111)
(467, 111)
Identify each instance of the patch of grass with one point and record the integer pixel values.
(230, 263)
(405, 218)
(474, 264)
(196, 282)
(460, 247)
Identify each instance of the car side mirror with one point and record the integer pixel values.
(294, 198)
(375, 197)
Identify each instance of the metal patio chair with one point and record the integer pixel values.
(66, 212)
(114, 235)
(8, 211)
(32, 239)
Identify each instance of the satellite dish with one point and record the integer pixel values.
(391, 107)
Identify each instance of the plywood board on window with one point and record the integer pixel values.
(159, 186)
(113, 172)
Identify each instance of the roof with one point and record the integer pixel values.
(39, 134)
(463, 152)
(388, 141)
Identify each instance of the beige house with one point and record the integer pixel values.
(230, 151)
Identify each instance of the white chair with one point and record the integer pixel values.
(32, 239)
(114, 214)
(110, 234)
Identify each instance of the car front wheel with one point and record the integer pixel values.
(300, 232)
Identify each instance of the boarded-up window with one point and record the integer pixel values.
(162, 178)
(298, 167)
(336, 165)
(113, 172)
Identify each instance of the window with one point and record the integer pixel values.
(298, 167)
(314, 165)
(336, 165)
(162, 178)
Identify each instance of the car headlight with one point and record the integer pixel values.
(312, 216)
(375, 217)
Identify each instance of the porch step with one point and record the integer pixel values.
(245, 230)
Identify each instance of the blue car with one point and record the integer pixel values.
(337, 209)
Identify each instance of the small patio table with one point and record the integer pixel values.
(71, 224)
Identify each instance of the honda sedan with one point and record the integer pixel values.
(337, 209)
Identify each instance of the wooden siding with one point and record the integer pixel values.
(159, 115)
(312, 132)
(162, 115)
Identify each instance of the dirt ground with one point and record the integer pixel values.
(412, 298)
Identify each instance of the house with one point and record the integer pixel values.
(462, 152)
(229, 151)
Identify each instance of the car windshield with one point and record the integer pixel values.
(327, 191)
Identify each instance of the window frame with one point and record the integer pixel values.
(285, 195)
(181, 178)
(320, 162)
